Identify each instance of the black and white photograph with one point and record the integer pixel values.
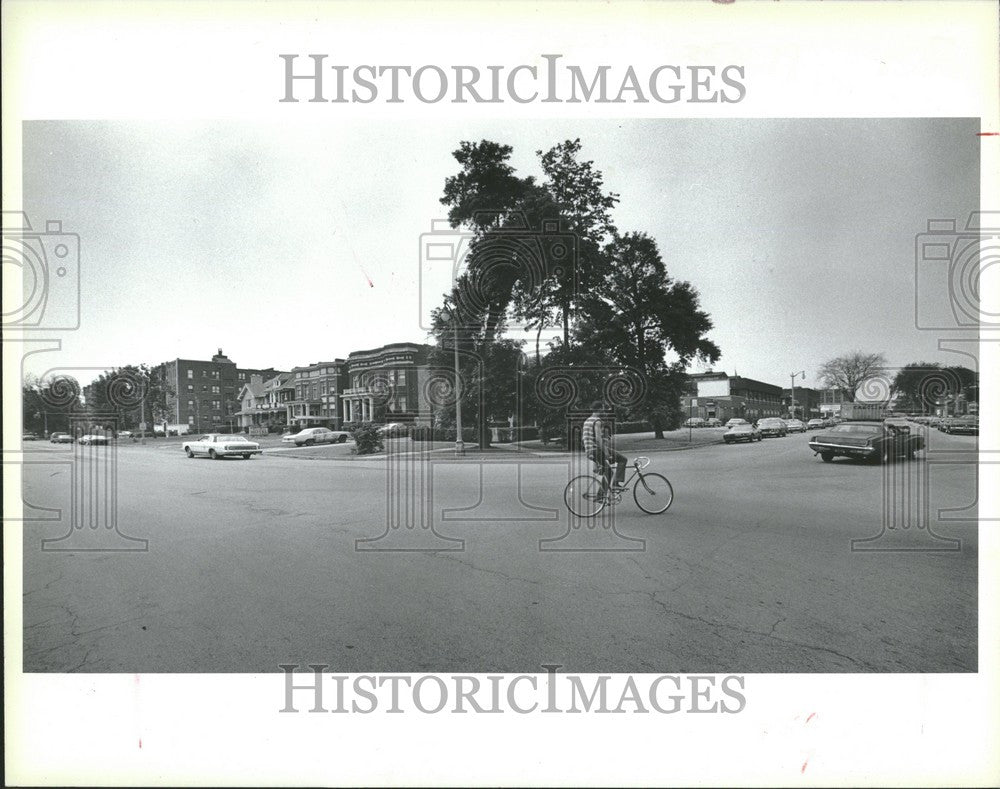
(424, 411)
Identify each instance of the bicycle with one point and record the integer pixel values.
(585, 496)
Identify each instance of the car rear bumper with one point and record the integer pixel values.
(841, 449)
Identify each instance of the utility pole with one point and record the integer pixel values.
(459, 443)
(794, 376)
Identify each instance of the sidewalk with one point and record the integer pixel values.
(644, 443)
(632, 444)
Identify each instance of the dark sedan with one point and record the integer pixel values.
(744, 432)
(877, 441)
(772, 426)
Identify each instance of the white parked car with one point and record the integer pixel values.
(795, 425)
(93, 438)
(392, 429)
(220, 445)
(316, 435)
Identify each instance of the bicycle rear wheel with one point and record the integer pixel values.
(653, 493)
(583, 496)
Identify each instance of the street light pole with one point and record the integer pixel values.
(459, 443)
(794, 376)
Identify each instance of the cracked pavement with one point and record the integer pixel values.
(253, 564)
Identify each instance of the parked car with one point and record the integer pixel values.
(125, 434)
(878, 441)
(694, 421)
(736, 421)
(392, 429)
(965, 425)
(816, 424)
(772, 426)
(316, 435)
(61, 438)
(713, 422)
(741, 432)
(220, 445)
(93, 438)
(29, 437)
(795, 425)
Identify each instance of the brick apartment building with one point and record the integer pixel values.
(204, 395)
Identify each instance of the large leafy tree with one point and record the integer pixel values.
(577, 189)
(132, 394)
(849, 371)
(648, 322)
(534, 246)
(48, 404)
(919, 385)
(488, 370)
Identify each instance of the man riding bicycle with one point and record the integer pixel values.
(597, 444)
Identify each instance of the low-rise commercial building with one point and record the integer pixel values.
(717, 395)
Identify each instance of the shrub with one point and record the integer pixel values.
(427, 433)
(470, 435)
(367, 439)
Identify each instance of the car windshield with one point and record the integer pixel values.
(769, 422)
(848, 428)
(740, 427)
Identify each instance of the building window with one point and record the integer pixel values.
(190, 404)
(215, 390)
(216, 405)
(190, 387)
(190, 374)
(401, 403)
(400, 377)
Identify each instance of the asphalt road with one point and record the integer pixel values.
(769, 560)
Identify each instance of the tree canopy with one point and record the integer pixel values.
(848, 372)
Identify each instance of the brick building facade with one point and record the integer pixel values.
(204, 395)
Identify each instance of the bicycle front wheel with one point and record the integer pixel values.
(653, 493)
(583, 496)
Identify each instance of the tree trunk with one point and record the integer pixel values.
(657, 426)
(565, 317)
(485, 435)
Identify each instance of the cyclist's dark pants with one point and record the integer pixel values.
(605, 460)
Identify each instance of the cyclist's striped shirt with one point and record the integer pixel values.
(590, 427)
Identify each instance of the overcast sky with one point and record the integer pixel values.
(287, 244)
